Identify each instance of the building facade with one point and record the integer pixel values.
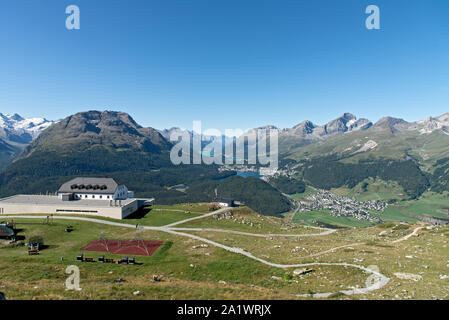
(99, 197)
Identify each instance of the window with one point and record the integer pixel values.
(101, 197)
(93, 197)
(85, 196)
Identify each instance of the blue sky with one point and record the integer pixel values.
(229, 63)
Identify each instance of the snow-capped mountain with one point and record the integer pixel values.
(17, 130)
(16, 133)
(205, 139)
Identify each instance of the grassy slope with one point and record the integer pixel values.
(376, 189)
(43, 277)
(430, 204)
(426, 148)
(246, 220)
(425, 255)
(324, 217)
(20, 273)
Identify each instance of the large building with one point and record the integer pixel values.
(101, 197)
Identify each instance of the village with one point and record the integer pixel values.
(342, 206)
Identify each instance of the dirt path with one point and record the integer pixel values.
(415, 232)
(198, 217)
(261, 235)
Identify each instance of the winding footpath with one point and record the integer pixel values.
(380, 279)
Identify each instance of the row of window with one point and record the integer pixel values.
(92, 197)
(77, 211)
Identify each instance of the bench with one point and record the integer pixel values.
(33, 252)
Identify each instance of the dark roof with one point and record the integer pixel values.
(224, 200)
(90, 186)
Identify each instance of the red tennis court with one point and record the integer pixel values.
(128, 247)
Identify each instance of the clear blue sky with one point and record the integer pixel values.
(229, 63)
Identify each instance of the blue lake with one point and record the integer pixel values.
(246, 174)
(243, 174)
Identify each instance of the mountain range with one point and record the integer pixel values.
(38, 155)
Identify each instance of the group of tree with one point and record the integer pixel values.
(330, 172)
(288, 185)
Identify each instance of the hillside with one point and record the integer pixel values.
(413, 154)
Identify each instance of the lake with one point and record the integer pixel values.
(246, 174)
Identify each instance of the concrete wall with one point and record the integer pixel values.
(130, 208)
(108, 212)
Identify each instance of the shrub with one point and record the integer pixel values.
(213, 206)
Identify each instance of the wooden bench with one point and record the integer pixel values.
(109, 260)
(33, 252)
(88, 259)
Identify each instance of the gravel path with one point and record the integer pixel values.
(415, 232)
(261, 235)
(198, 217)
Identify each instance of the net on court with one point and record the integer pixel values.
(124, 247)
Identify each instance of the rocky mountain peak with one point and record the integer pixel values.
(305, 127)
(391, 124)
(346, 123)
(348, 116)
(103, 128)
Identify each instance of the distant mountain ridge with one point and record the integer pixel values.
(307, 132)
(16, 133)
(388, 133)
(16, 129)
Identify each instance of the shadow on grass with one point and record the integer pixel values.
(139, 214)
(162, 251)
